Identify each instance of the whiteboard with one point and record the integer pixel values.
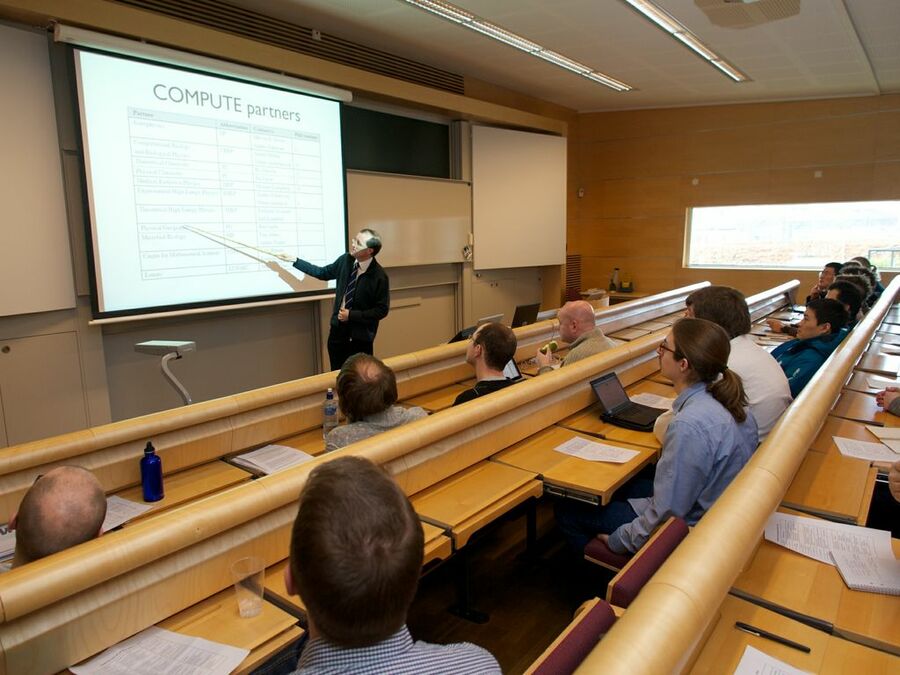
(518, 198)
(35, 257)
(422, 221)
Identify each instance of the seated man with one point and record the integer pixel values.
(818, 334)
(356, 556)
(367, 392)
(826, 278)
(490, 349)
(577, 327)
(65, 507)
(765, 383)
(850, 297)
(819, 289)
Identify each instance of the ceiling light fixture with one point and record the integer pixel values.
(680, 32)
(459, 16)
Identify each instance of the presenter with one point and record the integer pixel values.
(362, 296)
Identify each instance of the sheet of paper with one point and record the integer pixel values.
(881, 383)
(273, 458)
(119, 511)
(864, 573)
(653, 401)
(7, 542)
(872, 452)
(816, 538)
(755, 662)
(890, 350)
(161, 652)
(882, 433)
(595, 452)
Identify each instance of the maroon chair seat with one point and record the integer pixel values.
(625, 586)
(599, 553)
(580, 637)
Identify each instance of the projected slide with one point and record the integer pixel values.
(194, 181)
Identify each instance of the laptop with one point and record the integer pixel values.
(616, 408)
(525, 315)
(511, 371)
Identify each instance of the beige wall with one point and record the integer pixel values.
(637, 169)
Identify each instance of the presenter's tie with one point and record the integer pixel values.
(351, 286)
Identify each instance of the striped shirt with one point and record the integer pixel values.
(397, 655)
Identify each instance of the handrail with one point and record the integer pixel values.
(663, 626)
(68, 606)
(202, 432)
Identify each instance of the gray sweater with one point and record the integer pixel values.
(372, 425)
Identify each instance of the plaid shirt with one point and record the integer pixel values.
(397, 655)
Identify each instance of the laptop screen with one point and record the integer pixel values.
(511, 371)
(610, 392)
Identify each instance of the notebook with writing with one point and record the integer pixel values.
(616, 408)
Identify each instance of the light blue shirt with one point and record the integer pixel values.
(703, 450)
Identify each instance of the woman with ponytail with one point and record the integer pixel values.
(710, 438)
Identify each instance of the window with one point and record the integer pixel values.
(794, 236)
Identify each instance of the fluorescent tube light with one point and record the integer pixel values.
(680, 32)
(459, 16)
(695, 44)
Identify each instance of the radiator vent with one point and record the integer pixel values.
(573, 277)
(261, 28)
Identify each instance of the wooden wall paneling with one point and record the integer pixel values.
(736, 154)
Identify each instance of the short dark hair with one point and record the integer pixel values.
(498, 342)
(722, 305)
(848, 294)
(836, 266)
(374, 240)
(64, 508)
(356, 552)
(365, 386)
(828, 311)
(854, 276)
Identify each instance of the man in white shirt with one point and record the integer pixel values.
(765, 383)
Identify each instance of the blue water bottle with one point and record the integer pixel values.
(151, 474)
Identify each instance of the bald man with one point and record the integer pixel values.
(65, 507)
(577, 327)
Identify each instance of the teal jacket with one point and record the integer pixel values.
(800, 359)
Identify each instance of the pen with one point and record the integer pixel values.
(759, 632)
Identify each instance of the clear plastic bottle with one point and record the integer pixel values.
(614, 280)
(151, 475)
(329, 412)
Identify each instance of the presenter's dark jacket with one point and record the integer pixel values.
(371, 300)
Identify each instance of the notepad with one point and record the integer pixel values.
(271, 459)
(595, 452)
(865, 572)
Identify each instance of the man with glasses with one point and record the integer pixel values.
(362, 296)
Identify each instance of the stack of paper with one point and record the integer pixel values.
(755, 662)
(161, 652)
(872, 452)
(595, 452)
(653, 401)
(120, 511)
(271, 458)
